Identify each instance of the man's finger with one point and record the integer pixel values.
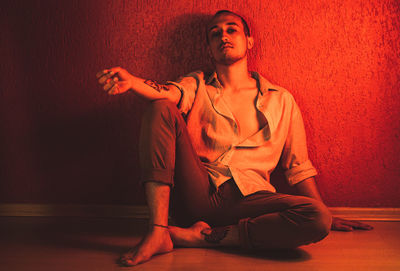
(363, 226)
(109, 85)
(105, 72)
(114, 90)
(357, 225)
(341, 227)
(344, 228)
(101, 73)
(115, 79)
(105, 77)
(115, 69)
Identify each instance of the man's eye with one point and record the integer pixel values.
(231, 30)
(214, 34)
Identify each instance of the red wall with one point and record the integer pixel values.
(62, 140)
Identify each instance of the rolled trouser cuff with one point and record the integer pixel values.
(164, 176)
(244, 234)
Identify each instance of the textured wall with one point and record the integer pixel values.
(62, 140)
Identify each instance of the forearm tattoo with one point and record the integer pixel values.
(156, 86)
(216, 235)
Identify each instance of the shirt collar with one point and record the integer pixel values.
(213, 80)
(263, 84)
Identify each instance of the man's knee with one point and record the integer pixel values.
(158, 110)
(321, 222)
(161, 105)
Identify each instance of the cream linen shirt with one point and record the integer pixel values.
(215, 137)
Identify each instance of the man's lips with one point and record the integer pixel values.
(225, 45)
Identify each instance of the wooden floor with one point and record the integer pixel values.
(93, 244)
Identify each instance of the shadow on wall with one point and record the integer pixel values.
(96, 152)
(59, 149)
(182, 46)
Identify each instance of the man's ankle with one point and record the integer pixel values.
(224, 236)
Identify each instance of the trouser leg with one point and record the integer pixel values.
(167, 156)
(265, 219)
(268, 220)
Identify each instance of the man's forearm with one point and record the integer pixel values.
(151, 90)
(118, 80)
(308, 188)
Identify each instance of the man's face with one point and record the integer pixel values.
(227, 40)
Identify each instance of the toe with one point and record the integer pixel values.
(123, 261)
(126, 258)
(136, 260)
(127, 262)
(131, 261)
(201, 225)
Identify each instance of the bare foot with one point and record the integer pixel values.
(157, 241)
(191, 237)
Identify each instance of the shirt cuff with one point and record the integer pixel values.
(179, 105)
(300, 172)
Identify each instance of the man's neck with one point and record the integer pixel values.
(234, 77)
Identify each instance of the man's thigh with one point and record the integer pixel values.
(235, 207)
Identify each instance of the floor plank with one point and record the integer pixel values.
(60, 243)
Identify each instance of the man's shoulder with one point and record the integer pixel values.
(197, 74)
(272, 89)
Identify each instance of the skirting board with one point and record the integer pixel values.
(370, 214)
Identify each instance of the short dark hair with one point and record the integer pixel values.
(246, 27)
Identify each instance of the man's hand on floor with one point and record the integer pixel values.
(340, 224)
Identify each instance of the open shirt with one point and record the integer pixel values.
(249, 162)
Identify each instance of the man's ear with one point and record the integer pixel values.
(250, 42)
(209, 51)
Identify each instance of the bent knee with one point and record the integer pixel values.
(161, 105)
(163, 108)
(320, 225)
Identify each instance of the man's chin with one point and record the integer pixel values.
(227, 60)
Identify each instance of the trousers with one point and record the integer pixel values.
(265, 219)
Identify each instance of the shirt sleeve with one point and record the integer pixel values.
(188, 86)
(295, 159)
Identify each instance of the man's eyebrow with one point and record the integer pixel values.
(229, 23)
(232, 23)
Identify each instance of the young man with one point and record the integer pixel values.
(210, 169)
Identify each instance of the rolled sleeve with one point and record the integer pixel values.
(295, 159)
(301, 172)
(188, 86)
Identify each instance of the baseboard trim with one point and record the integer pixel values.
(71, 210)
(367, 214)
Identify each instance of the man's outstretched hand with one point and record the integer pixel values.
(115, 80)
(340, 224)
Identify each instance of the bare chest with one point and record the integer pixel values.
(248, 119)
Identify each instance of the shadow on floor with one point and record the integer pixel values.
(110, 236)
(284, 255)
